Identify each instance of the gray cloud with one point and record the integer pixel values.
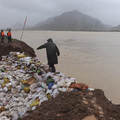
(12, 11)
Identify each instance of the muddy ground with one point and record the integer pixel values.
(80, 105)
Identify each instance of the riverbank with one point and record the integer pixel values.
(91, 57)
(80, 105)
(77, 105)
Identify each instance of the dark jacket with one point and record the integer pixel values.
(52, 52)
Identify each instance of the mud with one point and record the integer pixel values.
(77, 106)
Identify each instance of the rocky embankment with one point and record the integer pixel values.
(38, 99)
(16, 45)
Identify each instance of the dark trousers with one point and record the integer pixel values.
(53, 67)
(2, 38)
(9, 40)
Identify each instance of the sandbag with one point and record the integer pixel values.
(20, 56)
(81, 86)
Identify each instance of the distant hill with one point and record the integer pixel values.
(73, 21)
(117, 28)
(48, 21)
(18, 26)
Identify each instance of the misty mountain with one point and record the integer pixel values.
(72, 20)
(48, 21)
(19, 26)
(117, 28)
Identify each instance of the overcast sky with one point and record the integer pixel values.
(13, 11)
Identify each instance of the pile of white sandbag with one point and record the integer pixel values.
(23, 85)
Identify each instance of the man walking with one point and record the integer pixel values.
(52, 53)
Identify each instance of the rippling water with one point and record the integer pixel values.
(91, 57)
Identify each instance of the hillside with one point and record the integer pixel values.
(19, 26)
(72, 20)
(117, 28)
(48, 21)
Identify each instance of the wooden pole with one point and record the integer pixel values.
(23, 28)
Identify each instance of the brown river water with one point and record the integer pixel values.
(92, 58)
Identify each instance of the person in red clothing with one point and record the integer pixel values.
(2, 36)
(9, 34)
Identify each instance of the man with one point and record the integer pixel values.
(9, 34)
(52, 53)
(2, 36)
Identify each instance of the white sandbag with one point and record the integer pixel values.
(20, 103)
(39, 89)
(55, 93)
(33, 86)
(56, 78)
(8, 84)
(43, 99)
(48, 74)
(41, 96)
(43, 85)
(5, 89)
(60, 83)
(14, 115)
(7, 106)
(4, 118)
(33, 108)
(1, 90)
(49, 91)
(62, 89)
(91, 89)
(38, 77)
(54, 87)
(4, 114)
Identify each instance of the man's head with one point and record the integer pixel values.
(50, 40)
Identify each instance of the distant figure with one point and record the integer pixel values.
(52, 53)
(9, 35)
(2, 36)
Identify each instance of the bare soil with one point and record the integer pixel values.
(16, 45)
(80, 105)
